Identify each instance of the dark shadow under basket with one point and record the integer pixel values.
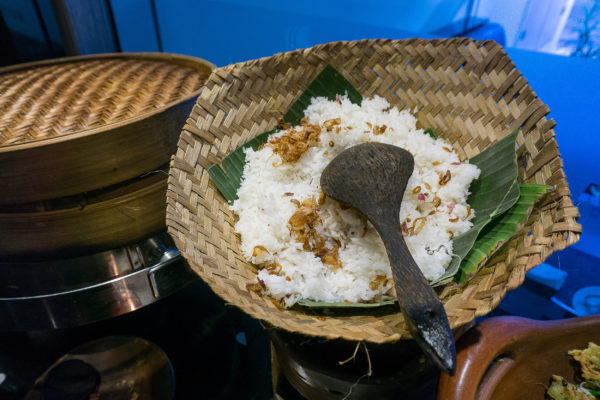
(468, 91)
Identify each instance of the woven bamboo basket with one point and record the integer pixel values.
(468, 91)
(78, 124)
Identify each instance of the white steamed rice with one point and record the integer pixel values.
(264, 211)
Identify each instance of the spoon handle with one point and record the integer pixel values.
(420, 305)
(408, 278)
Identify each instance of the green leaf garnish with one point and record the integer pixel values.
(595, 393)
(500, 230)
(495, 191)
(430, 132)
(227, 175)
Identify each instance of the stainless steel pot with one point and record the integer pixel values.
(76, 291)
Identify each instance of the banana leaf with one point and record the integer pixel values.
(500, 230)
(495, 191)
(385, 301)
(329, 83)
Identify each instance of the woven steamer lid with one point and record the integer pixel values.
(469, 92)
(82, 123)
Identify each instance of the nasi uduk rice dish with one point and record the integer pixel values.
(308, 246)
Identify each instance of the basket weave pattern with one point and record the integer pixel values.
(469, 92)
(53, 100)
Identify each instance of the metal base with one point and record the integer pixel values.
(78, 291)
(319, 369)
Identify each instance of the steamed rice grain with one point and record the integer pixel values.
(434, 208)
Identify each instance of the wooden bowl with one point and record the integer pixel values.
(78, 124)
(507, 358)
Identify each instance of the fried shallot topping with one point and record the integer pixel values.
(329, 256)
(379, 129)
(417, 225)
(380, 280)
(303, 222)
(331, 123)
(303, 225)
(322, 198)
(274, 269)
(445, 178)
(281, 124)
(292, 144)
(257, 287)
(258, 250)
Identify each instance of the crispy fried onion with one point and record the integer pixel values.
(329, 256)
(292, 144)
(445, 178)
(331, 123)
(303, 222)
(379, 281)
(303, 225)
(379, 129)
(322, 198)
(417, 226)
(281, 124)
(257, 287)
(274, 269)
(258, 250)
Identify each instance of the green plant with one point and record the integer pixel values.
(585, 45)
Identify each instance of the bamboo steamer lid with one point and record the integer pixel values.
(78, 124)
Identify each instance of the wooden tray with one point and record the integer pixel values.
(77, 124)
(506, 358)
(84, 224)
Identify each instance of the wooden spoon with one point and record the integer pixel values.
(372, 177)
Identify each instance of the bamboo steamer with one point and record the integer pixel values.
(84, 145)
(85, 223)
(77, 124)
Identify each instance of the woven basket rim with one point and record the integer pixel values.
(182, 60)
(510, 279)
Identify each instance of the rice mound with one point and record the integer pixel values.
(355, 268)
